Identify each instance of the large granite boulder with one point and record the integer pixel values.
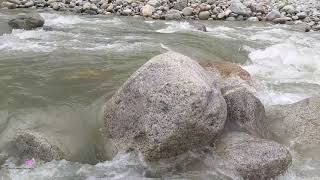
(245, 110)
(32, 144)
(254, 158)
(27, 22)
(167, 107)
(297, 125)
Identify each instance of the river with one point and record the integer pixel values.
(57, 80)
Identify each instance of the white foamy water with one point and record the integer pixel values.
(176, 27)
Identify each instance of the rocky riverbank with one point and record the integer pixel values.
(276, 11)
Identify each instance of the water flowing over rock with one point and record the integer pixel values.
(27, 22)
(167, 107)
(254, 158)
(297, 124)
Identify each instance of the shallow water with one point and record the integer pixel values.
(56, 81)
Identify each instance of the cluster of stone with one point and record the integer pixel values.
(231, 10)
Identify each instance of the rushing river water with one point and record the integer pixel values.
(56, 81)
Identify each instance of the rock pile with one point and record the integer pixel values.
(276, 11)
(172, 105)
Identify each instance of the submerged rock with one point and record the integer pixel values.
(297, 124)
(31, 144)
(169, 106)
(254, 158)
(227, 70)
(27, 22)
(199, 26)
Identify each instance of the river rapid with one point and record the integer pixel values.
(57, 80)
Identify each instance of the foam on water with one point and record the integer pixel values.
(20, 40)
(176, 26)
(58, 20)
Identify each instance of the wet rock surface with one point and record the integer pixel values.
(254, 158)
(27, 22)
(297, 125)
(169, 106)
(31, 144)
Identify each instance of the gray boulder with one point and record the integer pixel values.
(302, 15)
(245, 111)
(281, 20)
(180, 4)
(296, 124)
(167, 107)
(173, 15)
(9, 5)
(187, 11)
(273, 15)
(31, 144)
(237, 7)
(254, 158)
(204, 15)
(27, 22)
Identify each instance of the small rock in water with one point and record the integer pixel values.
(32, 144)
(27, 22)
(199, 26)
